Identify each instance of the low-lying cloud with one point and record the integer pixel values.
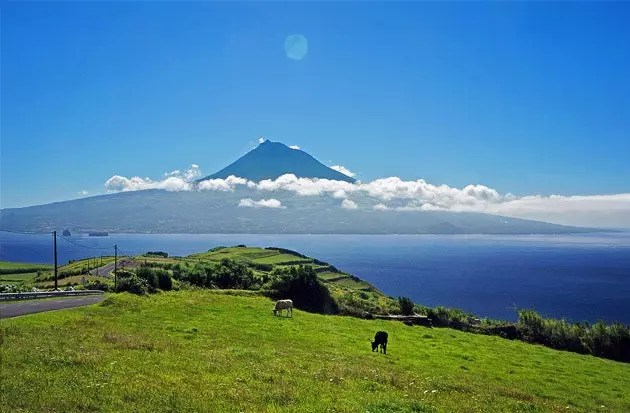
(349, 204)
(263, 203)
(173, 181)
(294, 147)
(395, 194)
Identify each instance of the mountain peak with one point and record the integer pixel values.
(270, 160)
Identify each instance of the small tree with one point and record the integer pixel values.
(406, 305)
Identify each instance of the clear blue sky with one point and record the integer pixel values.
(528, 97)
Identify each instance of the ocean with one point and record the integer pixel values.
(582, 277)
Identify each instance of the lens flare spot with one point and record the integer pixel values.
(295, 46)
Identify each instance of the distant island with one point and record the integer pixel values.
(98, 234)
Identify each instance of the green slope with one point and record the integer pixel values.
(207, 351)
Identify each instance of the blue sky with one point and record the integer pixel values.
(528, 98)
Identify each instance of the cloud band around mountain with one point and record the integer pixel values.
(395, 194)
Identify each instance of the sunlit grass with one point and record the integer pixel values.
(215, 352)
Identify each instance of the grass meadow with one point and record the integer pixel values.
(223, 351)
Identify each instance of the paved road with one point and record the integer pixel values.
(38, 306)
(107, 268)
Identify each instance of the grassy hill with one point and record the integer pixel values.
(218, 351)
(265, 260)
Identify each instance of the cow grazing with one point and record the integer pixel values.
(380, 339)
(283, 305)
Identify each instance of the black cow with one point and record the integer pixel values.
(380, 339)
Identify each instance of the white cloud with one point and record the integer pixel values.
(294, 147)
(192, 173)
(339, 194)
(305, 186)
(349, 204)
(581, 210)
(119, 183)
(419, 206)
(82, 193)
(343, 170)
(173, 181)
(227, 185)
(263, 203)
(176, 172)
(261, 140)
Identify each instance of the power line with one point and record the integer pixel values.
(20, 232)
(127, 252)
(84, 246)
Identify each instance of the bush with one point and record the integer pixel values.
(156, 278)
(133, 284)
(227, 274)
(156, 254)
(599, 339)
(302, 285)
(260, 267)
(150, 276)
(406, 305)
(286, 251)
(98, 285)
(165, 282)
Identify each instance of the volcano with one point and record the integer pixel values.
(270, 160)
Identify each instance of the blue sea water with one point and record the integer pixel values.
(579, 277)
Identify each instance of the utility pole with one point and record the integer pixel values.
(55, 248)
(115, 268)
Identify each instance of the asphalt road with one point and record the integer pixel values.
(37, 306)
(107, 268)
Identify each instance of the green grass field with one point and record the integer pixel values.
(283, 259)
(219, 352)
(8, 265)
(251, 254)
(25, 273)
(21, 278)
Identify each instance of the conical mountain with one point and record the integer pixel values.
(269, 160)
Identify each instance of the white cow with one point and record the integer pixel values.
(283, 305)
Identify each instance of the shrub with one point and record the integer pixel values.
(599, 339)
(98, 285)
(304, 288)
(286, 251)
(156, 254)
(150, 276)
(406, 305)
(260, 267)
(165, 282)
(133, 284)
(227, 274)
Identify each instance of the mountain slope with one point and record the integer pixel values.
(273, 159)
(158, 211)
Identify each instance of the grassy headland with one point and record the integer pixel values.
(320, 287)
